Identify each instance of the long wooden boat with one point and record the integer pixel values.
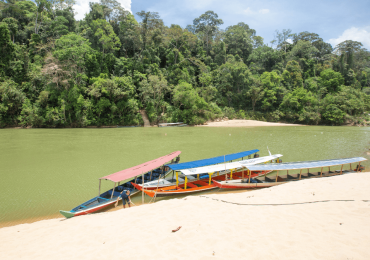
(162, 183)
(270, 181)
(193, 186)
(142, 173)
(199, 185)
(178, 124)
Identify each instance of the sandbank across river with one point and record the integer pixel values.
(324, 218)
(244, 123)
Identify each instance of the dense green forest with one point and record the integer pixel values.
(59, 72)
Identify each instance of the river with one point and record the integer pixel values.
(45, 170)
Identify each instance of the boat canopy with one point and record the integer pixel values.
(140, 169)
(304, 165)
(229, 166)
(210, 161)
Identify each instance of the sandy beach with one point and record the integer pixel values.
(244, 123)
(324, 218)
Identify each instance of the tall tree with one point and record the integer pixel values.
(208, 24)
(149, 22)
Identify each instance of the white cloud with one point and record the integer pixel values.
(264, 11)
(249, 11)
(82, 7)
(355, 34)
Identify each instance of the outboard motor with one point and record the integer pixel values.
(256, 155)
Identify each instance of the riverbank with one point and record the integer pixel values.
(334, 226)
(244, 123)
(220, 123)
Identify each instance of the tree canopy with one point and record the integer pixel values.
(59, 72)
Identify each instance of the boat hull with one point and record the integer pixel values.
(192, 186)
(233, 186)
(237, 184)
(99, 203)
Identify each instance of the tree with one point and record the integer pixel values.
(149, 22)
(239, 40)
(300, 105)
(6, 49)
(265, 58)
(180, 40)
(11, 99)
(208, 24)
(192, 107)
(270, 82)
(282, 38)
(105, 36)
(152, 92)
(12, 25)
(255, 92)
(331, 80)
(73, 49)
(41, 6)
(292, 75)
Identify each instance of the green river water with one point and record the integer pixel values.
(45, 170)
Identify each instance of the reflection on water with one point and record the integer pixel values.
(45, 170)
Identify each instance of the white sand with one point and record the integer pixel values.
(244, 123)
(213, 229)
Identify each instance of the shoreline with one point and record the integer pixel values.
(317, 219)
(221, 123)
(244, 123)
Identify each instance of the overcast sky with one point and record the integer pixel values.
(334, 20)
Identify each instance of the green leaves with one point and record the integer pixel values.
(331, 80)
(105, 35)
(6, 49)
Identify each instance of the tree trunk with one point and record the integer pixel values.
(37, 15)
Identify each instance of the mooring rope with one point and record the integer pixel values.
(282, 204)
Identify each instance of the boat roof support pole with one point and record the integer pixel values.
(99, 186)
(277, 175)
(210, 177)
(300, 174)
(341, 169)
(249, 173)
(156, 190)
(186, 182)
(114, 186)
(151, 173)
(177, 179)
(142, 197)
(243, 173)
(321, 172)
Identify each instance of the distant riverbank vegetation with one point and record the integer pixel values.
(59, 72)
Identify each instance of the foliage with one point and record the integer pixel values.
(59, 72)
